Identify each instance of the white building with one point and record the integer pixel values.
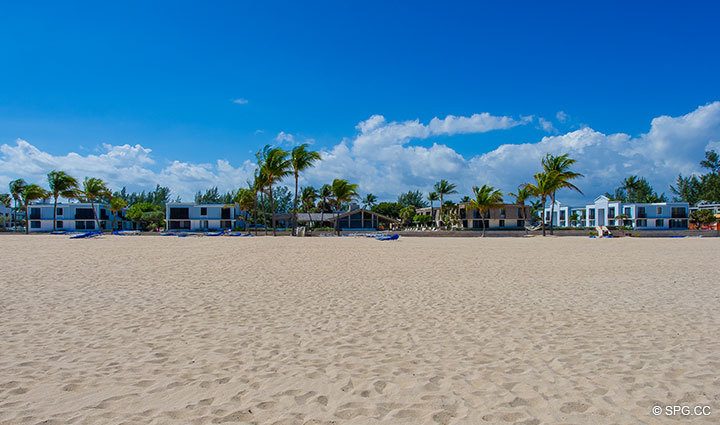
(6, 214)
(191, 216)
(70, 217)
(604, 212)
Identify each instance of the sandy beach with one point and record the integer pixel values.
(164, 330)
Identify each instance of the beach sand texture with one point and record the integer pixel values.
(136, 330)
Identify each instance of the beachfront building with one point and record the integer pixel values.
(70, 217)
(357, 219)
(714, 208)
(5, 217)
(200, 217)
(606, 212)
(505, 216)
(566, 215)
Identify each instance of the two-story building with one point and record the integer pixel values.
(505, 216)
(566, 215)
(70, 217)
(606, 212)
(200, 217)
(5, 216)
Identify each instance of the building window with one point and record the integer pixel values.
(59, 224)
(627, 211)
(659, 222)
(592, 214)
(562, 215)
(502, 223)
(35, 213)
(203, 210)
(611, 212)
(521, 223)
(80, 225)
(641, 212)
(90, 225)
(502, 212)
(59, 211)
(641, 223)
(659, 210)
(35, 224)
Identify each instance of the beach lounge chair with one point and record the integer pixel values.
(533, 228)
(239, 234)
(220, 233)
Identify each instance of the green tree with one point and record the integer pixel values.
(406, 214)
(146, 215)
(308, 196)
(443, 188)
(61, 184)
(343, 192)
(325, 193)
(17, 187)
(486, 198)
(711, 162)
(369, 201)
(432, 197)
(390, 209)
(545, 184)
(5, 201)
(32, 192)
(277, 165)
(412, 199)
(522, 195)
(246, 198)
(702, 218)
(636, 189)
(93, 191)
(117, 204)
(301, 158)
(563, 176)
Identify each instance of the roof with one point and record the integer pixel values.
(330, 216)
(355, 211)
(193, 204)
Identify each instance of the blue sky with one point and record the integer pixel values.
(87, 77)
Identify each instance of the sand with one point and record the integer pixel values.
(135, 330)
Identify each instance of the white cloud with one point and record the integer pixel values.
(562, 116)
(240, 101)
(546, 125)
(283, 137)
(383, 160)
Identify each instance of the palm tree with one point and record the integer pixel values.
(442, 188)
(324, 193)
(308, 196)
(277, 165)
(432, 197)
(545, 184)
(342, 192)
(32, 192)
(486, 198)
(94, 190)
(369, 201)
(16, 190)
(561, 166)
(300, 160)
(61, 184)
(523, 194)
(117, 204)
(246, 198)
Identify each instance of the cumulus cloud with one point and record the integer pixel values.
(562, 116)
(122, 165)
(382, 158)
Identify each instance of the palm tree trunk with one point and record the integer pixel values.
(542, 217)
(55, 214)
(272, 210)
(295, 206)
(552, 210)
(322, 213)
(432, 211)
(439, 212)
(255, 214)
(97, 221)
(27, 218)
(482, 220)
